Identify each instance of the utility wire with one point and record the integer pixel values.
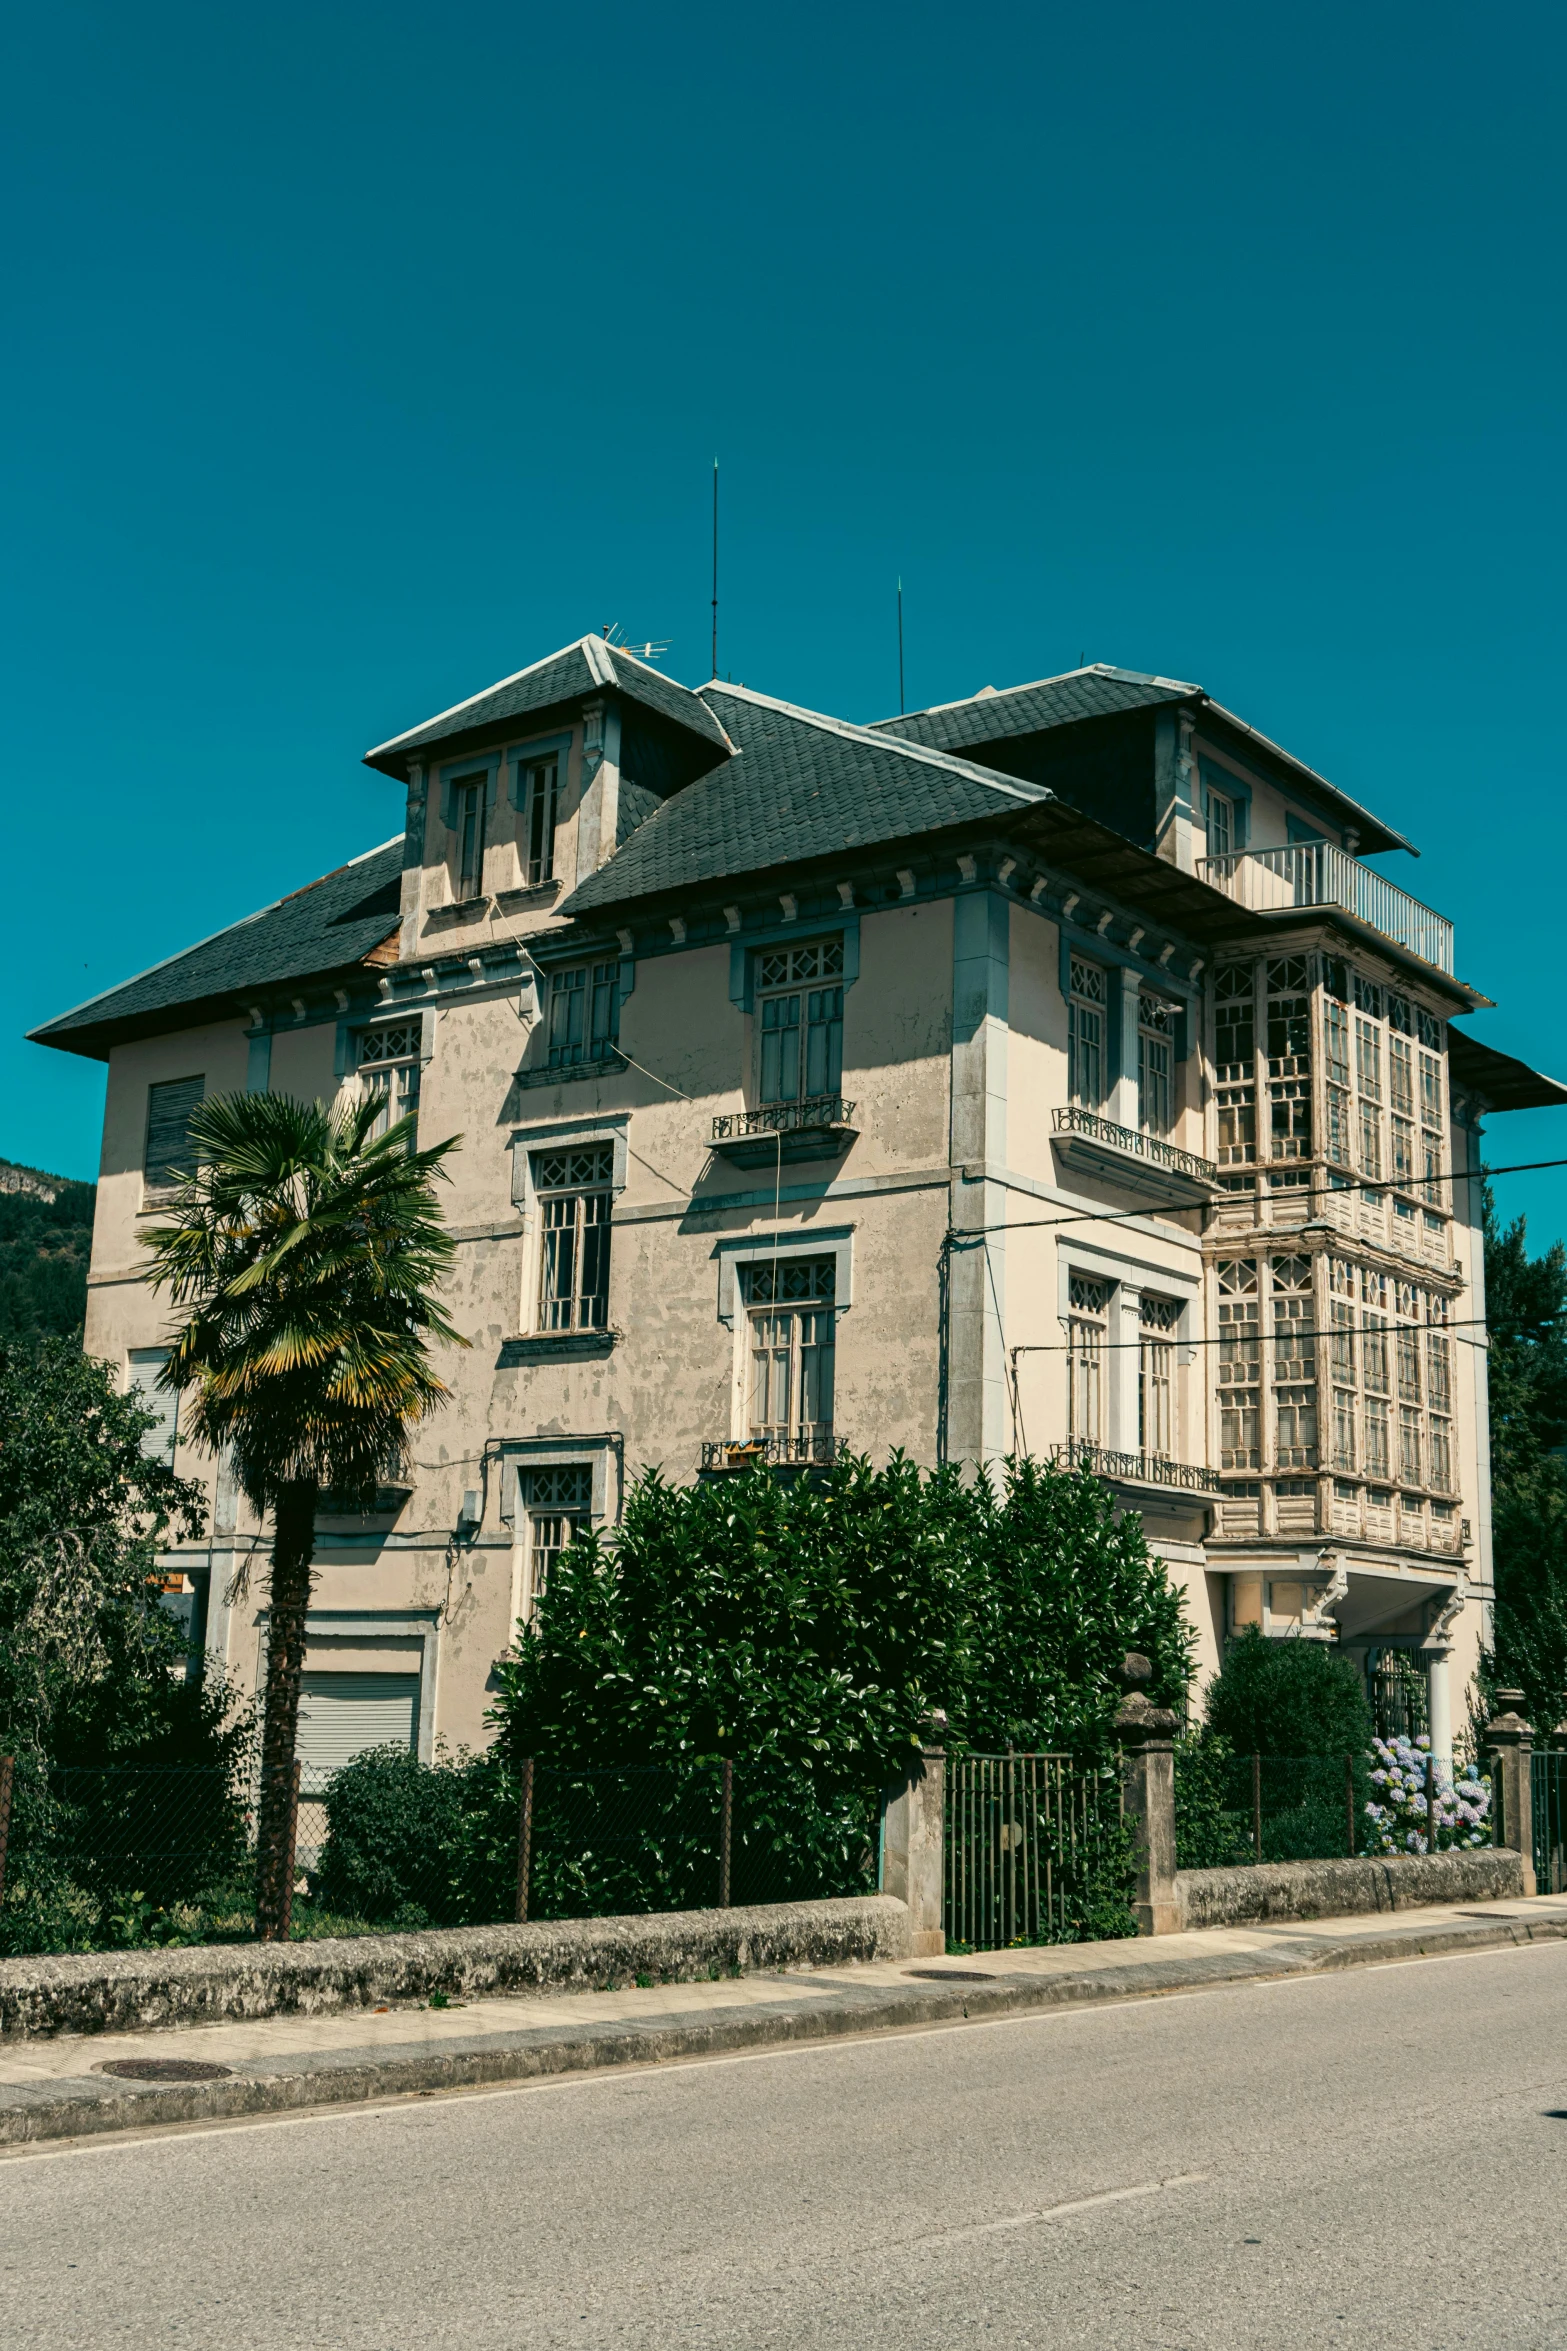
(1248, 1334)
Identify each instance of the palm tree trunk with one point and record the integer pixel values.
(293, 1548)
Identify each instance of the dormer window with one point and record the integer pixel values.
(540, 781)
(468, 825)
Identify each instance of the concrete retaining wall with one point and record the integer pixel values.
(106, 1992)
(1338, 1889)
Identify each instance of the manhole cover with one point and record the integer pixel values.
(953, 1975)
(164, 2069)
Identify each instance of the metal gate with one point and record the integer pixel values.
(1025, 1836)
(1548, 1792)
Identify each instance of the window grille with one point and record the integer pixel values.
(468, 829)
(1156, 1033)
(584, 1013)
(1160, 1320)
(1088, 1305)
(1240, 1366)
(168, 1157)
(791, 1315)
(558, 1502)
(574, 1202)
(389, 1067)
(540, 789)
(1085, 1050)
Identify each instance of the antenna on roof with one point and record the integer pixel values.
(715, 567)
(648, 649)
(900, 645)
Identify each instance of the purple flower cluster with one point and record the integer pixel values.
(1421, 1808)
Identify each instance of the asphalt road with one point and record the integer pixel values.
(1376, 2158)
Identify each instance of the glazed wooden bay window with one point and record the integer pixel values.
(575, 1197)
(389, 1064)
(1235, 1068)
(791, 1320)
(1390, 1362)
(1289, 1059)
(1085, 1035)
(799, 1012)
(1240, 1365)
(1294, 1364)
(584, 1014)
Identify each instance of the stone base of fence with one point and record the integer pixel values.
(1342, 1889)
(99, 1991)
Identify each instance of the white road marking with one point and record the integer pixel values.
(1023, 2220)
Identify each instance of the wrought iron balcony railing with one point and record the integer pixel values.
(1315, 873)
(1135, 1469)
(820, 1127)
(1132, 1143)
(784, 1118)
(817, 1450)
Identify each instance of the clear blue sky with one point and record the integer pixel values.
(357, 355)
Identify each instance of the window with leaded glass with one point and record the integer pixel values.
(791, 1317)
(1235, 1064)
(1085, 1034)
(1240, 1365)
(1157, 1021)
(1294, 1364)
(540, 785)
(557, 1502)
(389, 1067)
(1409, 1461)
(574, 1193)
(584, 1013)
(799, 1015)
(1159, 1319)
(1088, 1307)
(468, 794)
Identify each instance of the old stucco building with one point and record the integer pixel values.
(1042, 1072)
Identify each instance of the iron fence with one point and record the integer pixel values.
(1548, 1793)
(100, 1858)
(1035, 1851)
(1236, 1809)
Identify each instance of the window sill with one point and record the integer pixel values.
(607, 1065)
(554, 1347)
(451, 917)
(532, 894)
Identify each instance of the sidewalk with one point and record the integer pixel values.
(58, 2089)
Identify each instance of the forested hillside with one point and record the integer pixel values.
(45, 1239)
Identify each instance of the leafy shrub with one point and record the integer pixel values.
(1288, 1698)
(393, 1828)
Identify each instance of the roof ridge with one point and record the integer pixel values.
(242, 922)
(598, 659)
(1089, 669)
(422, 726)
(949, 760)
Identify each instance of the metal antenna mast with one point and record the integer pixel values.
(900, 648)
(715, 567)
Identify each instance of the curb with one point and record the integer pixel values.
(73, 2109)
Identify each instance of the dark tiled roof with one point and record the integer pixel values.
(577, 671)
(327, 926)
(800, 786)
(987, 717)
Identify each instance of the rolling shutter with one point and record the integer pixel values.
(342, 1714)
(145, 1365)
(169, 1112)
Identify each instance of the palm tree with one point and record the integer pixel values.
(305, 1252)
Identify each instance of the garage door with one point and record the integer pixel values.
(341, 1714)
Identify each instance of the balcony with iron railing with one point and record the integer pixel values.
(818, 1449)
(820, 1127)
(1315, 873)
(1095, 1145)
(1134, 1469)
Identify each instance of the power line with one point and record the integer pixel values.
(1023, 1224)
(1253, 1334)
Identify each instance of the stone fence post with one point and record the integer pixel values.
(1512, 1744)
(913, 1850)
(1147, 1736)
